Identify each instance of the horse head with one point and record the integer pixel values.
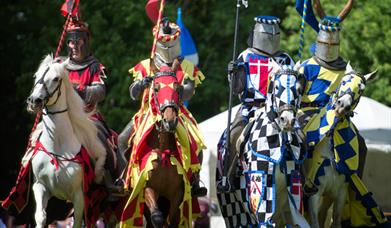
(166, 94)
(47, 85)
(284, 94)
(350, 90)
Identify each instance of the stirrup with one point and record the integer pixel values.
(310, 191)
(198, 191)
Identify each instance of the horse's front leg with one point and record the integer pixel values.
(339, 204)
(78, 207)
(151, 197)
(42, 196)
(313, 203)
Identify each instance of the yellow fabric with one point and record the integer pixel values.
(346, 155)
(187, 128)
(312, 91)
(189, 70)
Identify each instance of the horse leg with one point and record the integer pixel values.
(339, 204)
(282, 214)
(174, 214)
(41, 199)
(324, 210)
(313, 203)
(78, 207)
(151, 200)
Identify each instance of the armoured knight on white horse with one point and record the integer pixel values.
(335, 148)
(251, 74)
(87, 75)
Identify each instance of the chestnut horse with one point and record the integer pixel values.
(164, 180)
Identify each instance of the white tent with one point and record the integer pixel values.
(373, 120)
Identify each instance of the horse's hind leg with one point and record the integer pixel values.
(151, 200)
(41, 195)
(78, 208)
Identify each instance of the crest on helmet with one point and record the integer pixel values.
(327, 41)
(265, 35)
(168, 46)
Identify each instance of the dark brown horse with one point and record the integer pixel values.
(164, 183)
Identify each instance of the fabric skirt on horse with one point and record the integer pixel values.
(252, 200)
(189, 145)
(360, 208)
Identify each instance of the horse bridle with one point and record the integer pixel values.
(350, 93)
(159, 109)
(285, 107)
(50, 95)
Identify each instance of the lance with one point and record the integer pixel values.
(60, 43)
(227, 170)
(156, 34)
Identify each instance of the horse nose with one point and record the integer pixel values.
(35, 100)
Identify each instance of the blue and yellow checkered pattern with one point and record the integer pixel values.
(360, 209)
(321, 83)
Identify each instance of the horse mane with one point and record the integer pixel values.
(83, 127)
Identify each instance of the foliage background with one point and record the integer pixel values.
(122, 37)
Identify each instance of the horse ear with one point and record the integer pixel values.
(349, 68)
(371, 76)
(297, 66)
(275, 66)
(65, 63)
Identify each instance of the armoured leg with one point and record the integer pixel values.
(362, 154)
(196, 190)
(123, 138)
(236, 129)
(115, 162)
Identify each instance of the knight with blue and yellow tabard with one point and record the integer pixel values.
(323, 73)
(327, 77)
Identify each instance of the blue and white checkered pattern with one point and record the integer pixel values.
(270, 20)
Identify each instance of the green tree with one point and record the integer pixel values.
(365, 40)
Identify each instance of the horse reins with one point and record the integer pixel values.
(50, 95)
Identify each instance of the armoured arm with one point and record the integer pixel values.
(239, 81)
(93, 94)
(135, 90)
(187, 91)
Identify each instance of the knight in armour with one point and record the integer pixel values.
(323, 73)
(250, 73)
(167, 54)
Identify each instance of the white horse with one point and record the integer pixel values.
(64, 129)
(333, 187)
(265, 158)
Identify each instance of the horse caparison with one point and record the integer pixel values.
(165, 188)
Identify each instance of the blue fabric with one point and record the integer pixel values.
(187, 44)
(310, 17)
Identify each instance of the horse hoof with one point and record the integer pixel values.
(157, 219)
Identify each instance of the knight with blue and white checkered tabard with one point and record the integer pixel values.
(251, 72)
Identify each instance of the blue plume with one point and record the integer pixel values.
(310, 17)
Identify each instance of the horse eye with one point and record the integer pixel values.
(175, 86)
(56, 79)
